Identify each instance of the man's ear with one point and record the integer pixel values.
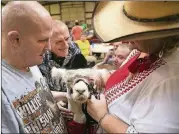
(13, 37)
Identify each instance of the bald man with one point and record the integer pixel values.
(63, 54)
(27, 105)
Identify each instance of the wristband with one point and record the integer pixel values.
(99, 122)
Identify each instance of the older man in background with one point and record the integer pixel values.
(64, 53)
(115, 57)
(121, 53)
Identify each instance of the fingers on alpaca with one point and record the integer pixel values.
(102, 97)
(63, 109)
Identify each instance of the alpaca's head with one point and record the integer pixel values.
(78, 87)
(79, 91)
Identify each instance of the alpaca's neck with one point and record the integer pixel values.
(80, 117)
(76, 107)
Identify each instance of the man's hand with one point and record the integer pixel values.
(97, 108)
(60, 97)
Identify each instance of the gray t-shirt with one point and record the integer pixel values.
(28, 105)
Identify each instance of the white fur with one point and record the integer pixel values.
(89, 72)
(55, 72)
(79, 88)
(75, 100)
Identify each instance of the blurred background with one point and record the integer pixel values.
(69, 11)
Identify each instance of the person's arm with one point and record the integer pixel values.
(106, 58)
(163, 95)
(98, 64)
(59, 96)
(106, 77)
(9, 123)
(117, 126)
(108, 122)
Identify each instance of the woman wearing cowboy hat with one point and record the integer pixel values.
(147, 100)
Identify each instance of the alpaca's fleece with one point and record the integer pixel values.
(78, 86)
(63, 78)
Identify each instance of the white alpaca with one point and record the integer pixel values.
(77, 84)
(79, 95)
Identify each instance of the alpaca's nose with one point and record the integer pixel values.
(80, 91)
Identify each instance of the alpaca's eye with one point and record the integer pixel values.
(60, 80)
(64, 86)
(71, 90)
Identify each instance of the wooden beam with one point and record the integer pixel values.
(56, 14)
(52, 2)
(2, 3)
(60, 11)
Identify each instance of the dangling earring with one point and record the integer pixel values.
(161, 52)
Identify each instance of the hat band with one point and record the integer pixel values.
(161, 19)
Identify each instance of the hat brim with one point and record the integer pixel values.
(112, 25)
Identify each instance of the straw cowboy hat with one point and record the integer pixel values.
(137, 20)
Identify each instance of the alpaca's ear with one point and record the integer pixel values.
(69, 86)
(56, 81)
(42, 80)
(57, 72)
(81, 78)
(69, 92)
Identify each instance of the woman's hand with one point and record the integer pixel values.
(97, 108)
(98, 82)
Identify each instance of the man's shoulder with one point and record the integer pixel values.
(78, 42)
(78, 28)
(73, 45)
(74, 27)
(87, 41)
